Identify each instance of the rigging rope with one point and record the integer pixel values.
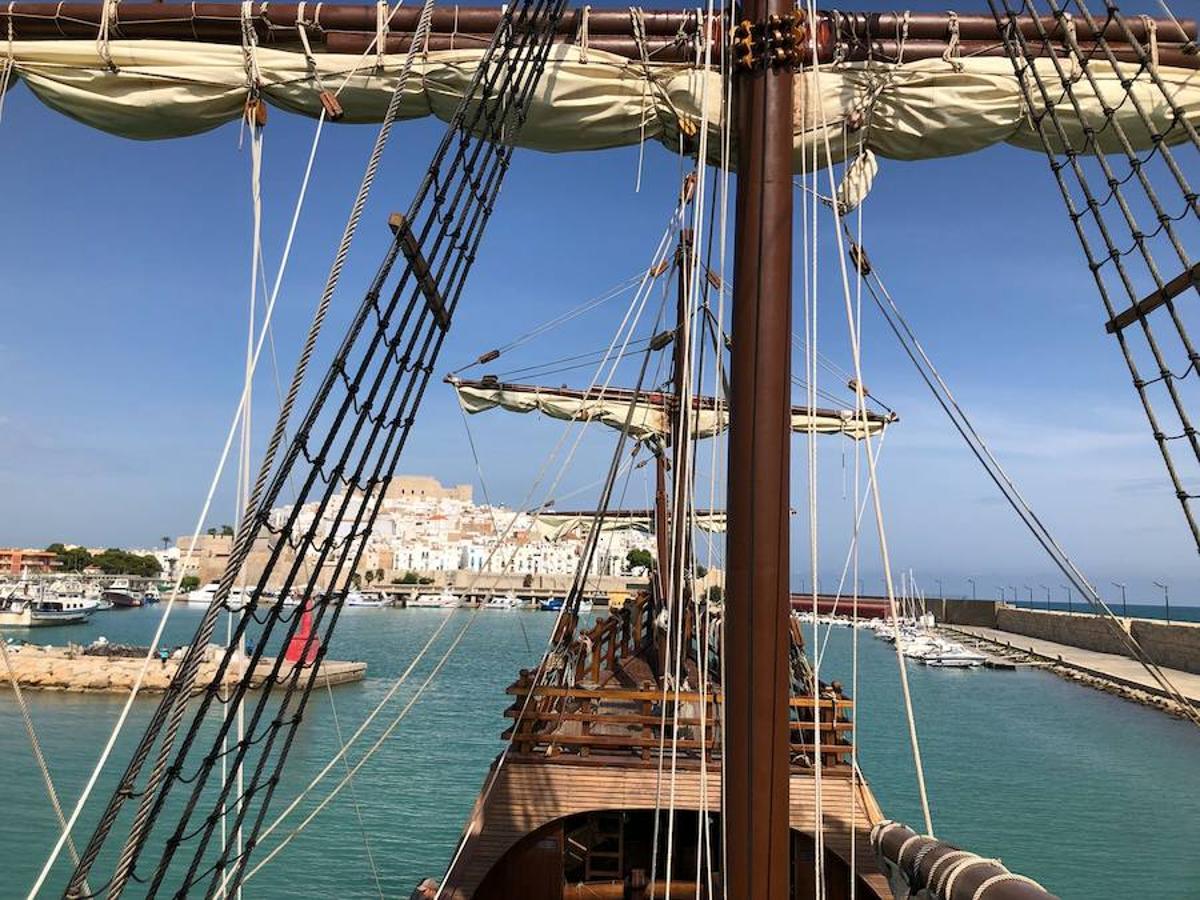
(853, 325)
(36, 745)
(979, 448)
(476, 166)
(1118, 272)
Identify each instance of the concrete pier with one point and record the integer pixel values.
(1099, 669)
(70, 669)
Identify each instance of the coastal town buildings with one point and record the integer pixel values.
(19, 560)
(426, 528)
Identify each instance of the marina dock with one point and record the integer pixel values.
(71, 669)
(1107, 671)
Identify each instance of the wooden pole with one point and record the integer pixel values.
(756, 765)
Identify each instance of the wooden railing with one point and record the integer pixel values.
(640, 724)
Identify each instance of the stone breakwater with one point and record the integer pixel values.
(71, 669)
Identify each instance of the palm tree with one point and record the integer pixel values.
(370, 576)
(166, 541)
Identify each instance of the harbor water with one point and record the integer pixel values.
(1093, 796)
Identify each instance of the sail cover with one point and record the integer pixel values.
(149, 89)
(643, 416)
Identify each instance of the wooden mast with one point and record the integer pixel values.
(756, 764)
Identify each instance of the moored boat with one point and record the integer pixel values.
(122, 596)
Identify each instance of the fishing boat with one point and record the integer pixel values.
(685, 743)
(122, 596)
(61, 610)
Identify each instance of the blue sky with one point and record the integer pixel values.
(123, 310)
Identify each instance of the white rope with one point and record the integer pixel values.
(382, 17)
(626, 327)
(1001, 877)
(962, 866)
(582, 37)
(38, 755)
(952, 53)
(664, 244)
(861, 401)
(108, 17)
(169, 606)
(811, 292)
(9, 65)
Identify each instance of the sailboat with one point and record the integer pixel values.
(713, 704)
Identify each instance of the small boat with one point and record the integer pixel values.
(16, 612)
(151, 596)
(956, 657)
(119, 594)
(56, 610)
(359, 600)
(506, 601)
(205, 594)
(553, 604)
(444, 600)
(585, 606)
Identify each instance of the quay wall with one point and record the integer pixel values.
(1175, 645)
(1088, 632)
(965, 612)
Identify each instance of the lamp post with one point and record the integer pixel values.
(1028, 588)
(1003, 596)
(971, 581)
(1067, 588)
(1047, 590)
(1016, 599)
(1166, 599)
(1124, 607)
(941, 593)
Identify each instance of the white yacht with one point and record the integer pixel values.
(506, 601)
(205, 594)
(444, 600)
(359, 600)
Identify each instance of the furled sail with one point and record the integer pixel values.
(646, 415)
(923, 106)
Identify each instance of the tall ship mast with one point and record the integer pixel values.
(684, 744)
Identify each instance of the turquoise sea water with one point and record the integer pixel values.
(1096, 797)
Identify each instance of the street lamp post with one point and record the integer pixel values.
(941, 593)
(1067, 588)
(1047, 590)
(1166, 599)
(1124, 607)
(1016, 599)
(972, 583)
(1003, 596)
(1028, 588)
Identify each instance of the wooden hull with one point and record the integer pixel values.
(515, 839)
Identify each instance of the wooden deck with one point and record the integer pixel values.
(528, 796)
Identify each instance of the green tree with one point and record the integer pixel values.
(370, 576)
(639, 559)
(226, 531)
(189, 583)
(410, 577)
(714, 594)
(701, 570)
(73, 559)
